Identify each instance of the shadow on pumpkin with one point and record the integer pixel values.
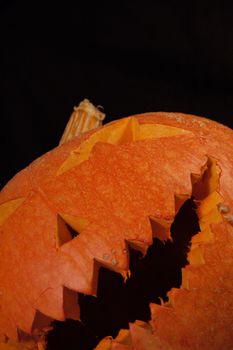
(118, 302)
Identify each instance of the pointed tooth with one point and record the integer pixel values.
(143, 338)
(161, 228)
(41, 321)
(50, 303)
(70, 304)
(180, 199)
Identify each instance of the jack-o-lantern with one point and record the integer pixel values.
(135, 201)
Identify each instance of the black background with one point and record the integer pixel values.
(128, 56)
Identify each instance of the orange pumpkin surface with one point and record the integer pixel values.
(119, 186)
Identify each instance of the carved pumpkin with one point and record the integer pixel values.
(120, 186)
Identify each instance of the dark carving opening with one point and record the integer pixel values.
(65, 232)
(119, 302)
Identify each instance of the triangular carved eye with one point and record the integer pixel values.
(65, 232)
(69, 227)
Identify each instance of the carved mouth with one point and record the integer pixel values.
(120, 302)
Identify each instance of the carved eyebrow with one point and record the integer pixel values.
(8, 208)
(120, 132)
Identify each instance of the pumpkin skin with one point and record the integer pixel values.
(106, 184)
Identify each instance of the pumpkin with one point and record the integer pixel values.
(85, 206)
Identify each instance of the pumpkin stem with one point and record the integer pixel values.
(85, 117)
